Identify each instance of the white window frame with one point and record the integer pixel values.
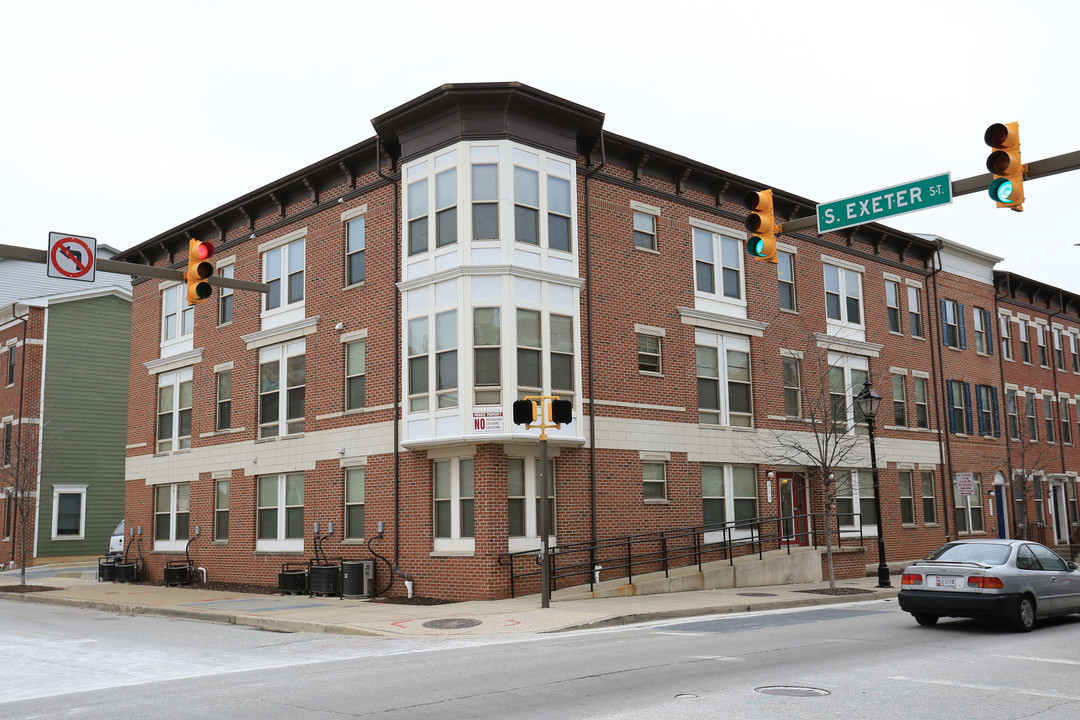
(172, 543)
(893, 310)
(531, 539)
(963, 514)
(709, 242)
(281, 543)
(645, 348)
(281, 354)
(641, 233)
(914, 311)
(1040, 339)
(847, 364)
(978, 319)
(357, 224)
(176, 441)
(221, 505)
(1025, 343)
(353, 501)
(950, 322)
(785, 263)
(654, 475)
(844, 276)
(174, 305)
(794, 390)
(924, 383)
(281, 260)
(226, 296)
(722, 344)
(59, 490)
(457, 542)
(358, 372)
(1006, 337)
(859, 494)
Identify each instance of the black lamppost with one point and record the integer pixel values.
(869, 401)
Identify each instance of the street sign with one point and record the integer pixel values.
(874, 206)
(71, 257)
(965, 483)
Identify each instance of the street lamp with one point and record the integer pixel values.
(869, 401)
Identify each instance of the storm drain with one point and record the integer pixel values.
(792, 691)
(757, 594)
(451, 623)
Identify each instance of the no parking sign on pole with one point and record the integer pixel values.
(71, 257)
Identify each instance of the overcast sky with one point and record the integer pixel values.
(120, 120)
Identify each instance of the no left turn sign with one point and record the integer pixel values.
(72, 257)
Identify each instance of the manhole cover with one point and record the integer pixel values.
(758, 594)
(685, 696)
(451, 623)
(791, 691)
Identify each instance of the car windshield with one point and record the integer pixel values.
(985, 553)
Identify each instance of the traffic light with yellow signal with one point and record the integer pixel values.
(1007, 187)
(198, 270)
(762, 226)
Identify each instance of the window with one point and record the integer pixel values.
(355, 244)
(792, 387)
(1012, 412)
(648, 353)
(562, 353)
(221, 510)
(728, 494)
(724, 279)
(851, 494)
(171, 512)
(843, 295)
(558, 216)
(355, 374)
(907, 500)
(445, 204)
(1029, 409)
(733, 406)
(226, 299)
(6, 459)
(282, 383)
(1025, 342)
(526, 206)
(522, 516)
(644, 230)
(69, 512)
(959, 407)
(1059, 350)
(1037, 493)
(1063, 414)
(785, 274)
(929, 511)
(487, 356)
(283, 271)
(418, 213)
(224, 400)
(177, 318)
(418, 365)
(1048, 413)
(174, 411)
(446, 370)
(922, 405)
(892, 304)
(952, 324)
(978, 315)
(654, 481)
(453, 497)
(899, 400)
(847, 377)
(280, 514)
(1074, 353)
(11, 365)
(914, 306)
(1040, 338)
(1006, 337)
(987, 410)
(354, 503)
(972, 518)
(529, 353)
(485, 200)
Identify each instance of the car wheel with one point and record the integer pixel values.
(924, 619)
(1025, 614)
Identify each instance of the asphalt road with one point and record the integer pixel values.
(865, 660)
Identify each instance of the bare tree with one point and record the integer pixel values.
(1030, 460)
(18, 478)
(826, 442)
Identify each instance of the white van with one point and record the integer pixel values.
(116, 542)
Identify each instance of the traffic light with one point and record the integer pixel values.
(761, 223)
(524, 412)
(199, 268)
(562, 412)
(1007, 188)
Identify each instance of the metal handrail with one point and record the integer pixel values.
(667, 549)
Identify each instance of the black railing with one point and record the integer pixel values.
(625, 556)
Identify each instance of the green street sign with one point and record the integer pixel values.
(874, 206)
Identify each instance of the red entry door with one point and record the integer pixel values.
(793, 502)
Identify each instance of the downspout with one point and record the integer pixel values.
(589, 342)
(1057, 400)
(1005, 397)
(944, 449)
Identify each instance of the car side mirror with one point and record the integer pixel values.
(1071, 565)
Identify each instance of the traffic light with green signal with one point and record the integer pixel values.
(1007, 187)
(198, 270)
(762, 226)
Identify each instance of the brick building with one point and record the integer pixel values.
(493, 241)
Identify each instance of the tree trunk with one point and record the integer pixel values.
(828, 545)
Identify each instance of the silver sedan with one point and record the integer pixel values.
(1015, 581)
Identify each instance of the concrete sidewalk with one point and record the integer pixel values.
(292, 613)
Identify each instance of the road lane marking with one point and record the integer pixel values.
(991, 688)
(1060, 661)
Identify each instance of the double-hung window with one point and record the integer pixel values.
(1040, 338)
(355, 374)
(280, 513)
(454, 520)
(282, 385)
(929, 510)
(446, 229)
(174, 410)
(487, 356)
(354, 503)
(1013, 413)
(1074, 350)
(922, 403)
(959, 407)
(644, 230)
(419, 382)
(1025, 341)
(847, 377)
(5, 456)
(224, 400)
(969, 513)
(530, 353)
(221, 510)
(723, 378)
(355, 246)
(785, 276)
(10, 375)
(843, 295)
(792, 376)
(648, 353)
(914, 306)
(717, 264)
(1006, 337)
(523, 515)
(177, 317)
(226, 298)
(526, 205)
(283, 271)
(987, 410)
(172, 508)
(1032, 423)
(561, 328)
(899, 399)
(978, 317)
(1048, 413)
(654, 480)
(952, 319)
(485, 194)
(1064, 416)
(892, 304)
(418, 211)
(907, 499)
(1059, 350)
(558, 215)
(728, 494)
(446, 364)
(854, 501)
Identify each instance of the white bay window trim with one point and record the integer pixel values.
(68, 491)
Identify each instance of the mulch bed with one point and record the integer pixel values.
(837, 591)
(272, 590)
(26, 588)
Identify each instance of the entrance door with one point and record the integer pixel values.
(1001, 505)
(1061, 513)
(793, 504)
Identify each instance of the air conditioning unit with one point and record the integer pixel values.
(359, 578)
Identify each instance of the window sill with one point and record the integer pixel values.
(225, 324)
(790, 312)
(896, 332)
(62, 538)
(275, 438)
(911, 526)
(452, 553)
(354, 542)
(219, 542)
(931, 525)
(953, 347)
(650, 373)
(918, 337)
(656, 501)
(652, 251)
(354, 286)
(167, 453)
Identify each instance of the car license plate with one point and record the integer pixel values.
(947, 581)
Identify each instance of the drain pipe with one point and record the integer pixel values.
(589, 343)
(944, 448)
